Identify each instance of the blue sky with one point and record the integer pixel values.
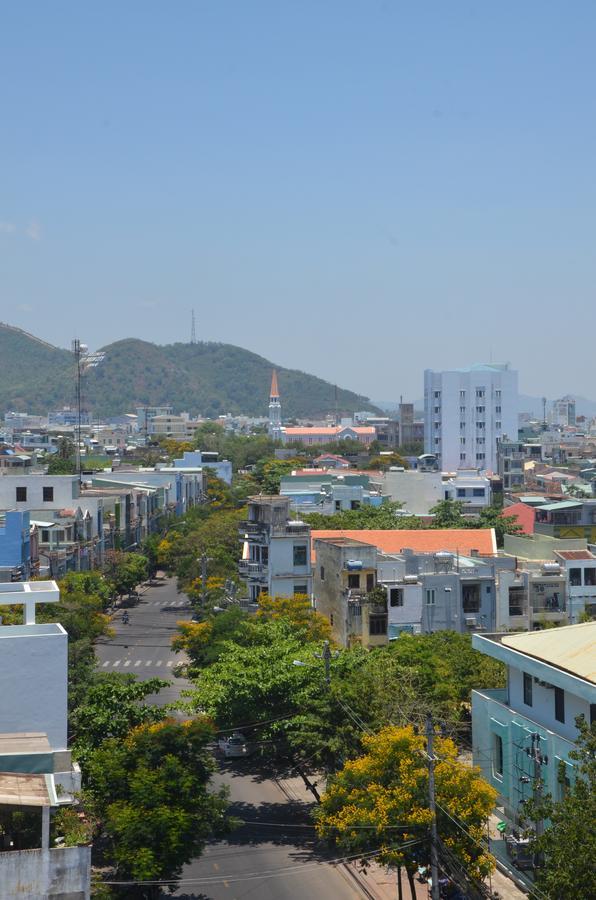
(357, 189)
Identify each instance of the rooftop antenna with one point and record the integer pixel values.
(78, 350)
(193, 332)
(544, 412)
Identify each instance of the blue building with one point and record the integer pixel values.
(525, 732)
(15, 545)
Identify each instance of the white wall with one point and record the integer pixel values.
(66, 489)
(453, 454)
(418, 491)
(33, 680)
(542, 710)
(283, 574)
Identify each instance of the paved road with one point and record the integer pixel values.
(258, 861)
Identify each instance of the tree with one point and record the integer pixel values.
(448, 514)
(568, 844)
(383, 463)
(381, 800)
(127, 570)
(384, 517)
(112, 706)
(298, 612)
(152, 796)
(59, 466)
(493, 517)
(269, 472)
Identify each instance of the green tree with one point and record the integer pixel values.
(112, 706)
(493, 517)
(151, 794)
(268, 472)
(384, 517)
(127, 571)
(568, 844)
(448, 514)
(381, 800)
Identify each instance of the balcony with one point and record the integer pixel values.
(248, 568)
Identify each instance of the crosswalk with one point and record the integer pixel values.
(137, 663)
(179, 603)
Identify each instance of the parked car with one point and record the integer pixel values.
(235, 746)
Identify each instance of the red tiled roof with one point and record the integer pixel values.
(575, 554)
(331, 429)
(525, 515)
(421, 540)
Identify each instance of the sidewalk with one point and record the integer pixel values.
(379, 883)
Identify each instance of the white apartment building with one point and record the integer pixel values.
(466, 411)
(275, 550)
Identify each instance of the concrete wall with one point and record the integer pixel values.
(418, 491)
(33, 680)
(64, 874)
(283, 574)
(66, 489)
(539, 546)
(15, 540)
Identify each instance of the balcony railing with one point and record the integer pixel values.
(252, 569)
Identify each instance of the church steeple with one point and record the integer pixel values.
(275, 429)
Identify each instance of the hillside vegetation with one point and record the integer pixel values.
(204, 378)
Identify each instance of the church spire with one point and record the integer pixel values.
(275, 428)
(274, 392)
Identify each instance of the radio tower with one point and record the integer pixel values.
(193, 333)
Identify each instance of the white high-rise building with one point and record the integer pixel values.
(465, 411)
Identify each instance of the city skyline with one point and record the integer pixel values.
(360, 192)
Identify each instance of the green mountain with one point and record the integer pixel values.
(204, 378)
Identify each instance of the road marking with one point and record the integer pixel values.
(117, 663)
(158, 663)
(128, 662)
(170, 663)
(107, 663)
(149, 662)
(138, 662)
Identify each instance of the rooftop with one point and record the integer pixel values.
(23, 790)
(460, 541)
(24, 742)
(571, 648)
(575, 554)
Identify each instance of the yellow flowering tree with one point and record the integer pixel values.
(379, 802)
(298, 611)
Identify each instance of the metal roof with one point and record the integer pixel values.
(560, 504)
(571, 648)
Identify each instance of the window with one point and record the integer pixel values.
(527, 689)
(480, 425)
(355, 504)
(45, 536)
(479, 393)
(337, 505)
(437, 395)
(480, 456)
(322, 573)
(354, 581)
(480, 409)
(370, 581)
(462, 457)
(48, 494)
(559, 704)
(377, 624)
(590, 577)
(498, 755)
(437, 409)
(396, 597)
(462, 410)
(21, 495)
(477, 492)
(498, 426)
(300, 555)
(430, 597)
(437, 441)
(461, 492)
(592, 714)
(497, 395)
(497, 409)
(462, 395)
(462, 442)
(575, 577)
(480, 441)
(300, 589)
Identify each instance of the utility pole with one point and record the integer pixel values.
(204, 559)
(434, 840)
(327, 656)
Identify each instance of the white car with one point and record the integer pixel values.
(235, 746)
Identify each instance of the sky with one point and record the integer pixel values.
(361, 190)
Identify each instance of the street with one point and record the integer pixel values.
(275, 854)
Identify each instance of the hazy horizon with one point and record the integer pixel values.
(360, 191)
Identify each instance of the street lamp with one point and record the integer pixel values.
(326, 656)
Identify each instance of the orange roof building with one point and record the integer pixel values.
(461, 541)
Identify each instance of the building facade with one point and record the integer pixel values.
(466, 411)
(276, 551)
(524, 733)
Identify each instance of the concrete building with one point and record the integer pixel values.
(526, 731)
(580, 569)
(36, 768)
(466, 411)
(318, 435)
(15, 545)
(276, 550)
(329, 493)
(420, 490)
(512, 457)
(206, 459)
(421, 592)
(563, 412)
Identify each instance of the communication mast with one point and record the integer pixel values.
(193, 333)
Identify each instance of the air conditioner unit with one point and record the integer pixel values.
(471, 621)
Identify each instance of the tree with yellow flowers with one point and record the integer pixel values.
(379, 802)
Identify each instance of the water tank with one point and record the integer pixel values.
(551, 568)
(410, 579)
(353, 565)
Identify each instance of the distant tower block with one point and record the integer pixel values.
(275, 429)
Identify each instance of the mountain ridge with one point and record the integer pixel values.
(206, 378)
